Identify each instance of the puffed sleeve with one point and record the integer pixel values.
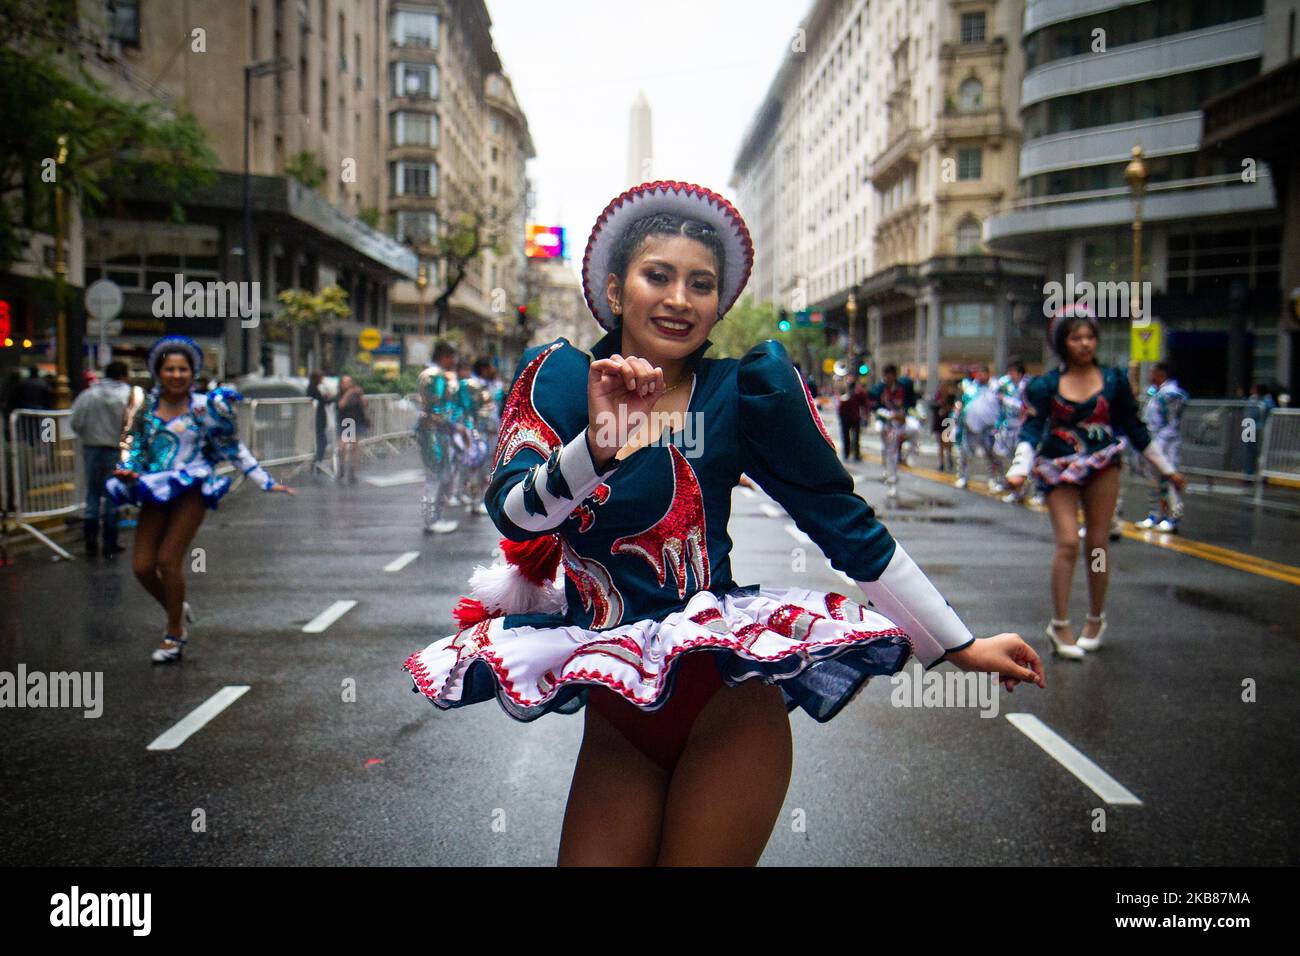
(133, 430)
(222, 424)
(1038, 407)
(1124, 412)
(789, 454)
(544, 468)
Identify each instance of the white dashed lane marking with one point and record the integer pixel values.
(1063, 752)
(195, 720)
(400, 562)
(328, 616)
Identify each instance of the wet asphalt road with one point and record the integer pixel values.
(291, 773)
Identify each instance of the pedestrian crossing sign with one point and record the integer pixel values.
(1145, 341)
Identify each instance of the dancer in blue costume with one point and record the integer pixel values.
(1082, 418)
(1164, 420)
(620, 463)
(436, 430)
(1011, 398)
(892, 400)
(173, 440)
(977, 418)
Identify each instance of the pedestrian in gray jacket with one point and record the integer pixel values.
(97, 420)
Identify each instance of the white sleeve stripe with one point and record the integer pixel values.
(579, 473)
(905, 595)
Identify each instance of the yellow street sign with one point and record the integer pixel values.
(370, 338)
(1145, 341)
(828, 366)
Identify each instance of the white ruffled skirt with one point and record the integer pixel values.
(820, 647)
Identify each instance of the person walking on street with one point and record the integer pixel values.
(353, 426)
(850, 409)
(97, 420)
(173, 440)
(943, 423)
(1082, 417)
(322, 400)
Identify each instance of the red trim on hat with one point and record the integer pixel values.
(691, 189)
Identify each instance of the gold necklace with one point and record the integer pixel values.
(671, 387)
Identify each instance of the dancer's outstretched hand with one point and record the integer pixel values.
(285, 488)
(1006, 655)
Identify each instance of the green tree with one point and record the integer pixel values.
(305, 167)
(49, 102)
(750, 322)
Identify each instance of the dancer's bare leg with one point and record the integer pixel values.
(149, 529)
(730, 781)
(616, 801)
(1099, 497)
(183, 522)
(1063, 505)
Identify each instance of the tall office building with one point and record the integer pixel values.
(640, 148)
(885, 141)
(1101, 77)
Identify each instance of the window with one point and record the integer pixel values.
(416, 226)
(124, 21)
(416, 80)
(966, 320)
(414, 179)
(324, 103)
(972, 27)
(970, 163)
(970, 95)
(415, 28)
(969, 235)
(414, 129)
(136, 255)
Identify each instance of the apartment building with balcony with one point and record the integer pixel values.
(1101, 77)
(886, 140)
(320, 108)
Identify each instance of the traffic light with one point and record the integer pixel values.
(864, 365)
(522, 317)
(783, 321)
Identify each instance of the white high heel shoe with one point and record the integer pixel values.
(189, 613)
(165, 655)
(1072, 651)
(1094, 642)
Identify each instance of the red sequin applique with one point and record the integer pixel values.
(679, 536)
(522, 426)
(595, 587)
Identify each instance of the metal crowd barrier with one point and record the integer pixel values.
(46, 470)
(42, 472)
(1214, 444)
(1279, 458)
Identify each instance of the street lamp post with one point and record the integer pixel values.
(265, 68)
(1136, 175)
(62, 391)
(851, 310)
(421, 283)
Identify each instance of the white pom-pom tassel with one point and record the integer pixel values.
(503, 589)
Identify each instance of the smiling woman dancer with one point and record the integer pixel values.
(172, 442)
(1082, 417)
(689, 678)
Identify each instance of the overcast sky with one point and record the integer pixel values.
(577, 65)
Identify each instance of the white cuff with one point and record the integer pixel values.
(1023, 461)
(1153, 454)
(550, 491)
(905, 595)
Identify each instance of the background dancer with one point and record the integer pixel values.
(1011, 412)
(893, 399)
(435, 434)
(1164, 420)
(173, 440)
(977, 418)
(1082, 418)
(686, 677)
